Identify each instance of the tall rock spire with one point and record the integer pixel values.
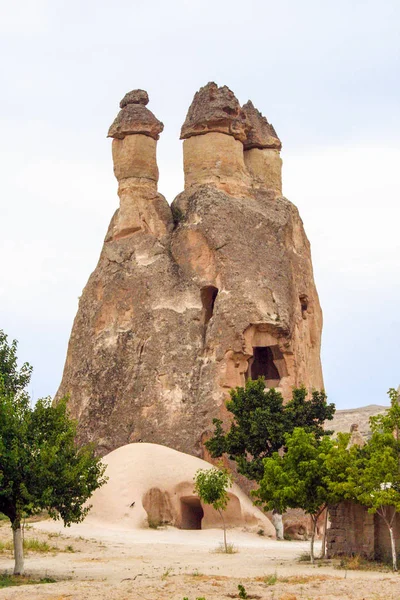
(213, 132)
(176, 314)
(135, 131)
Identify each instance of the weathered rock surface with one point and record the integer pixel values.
(344, 419)
(260, 134)
(215, 109)
(177, 313)
(134, 117)
(152, 485)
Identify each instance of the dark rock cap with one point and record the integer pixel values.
(134, 117)
(215, 109)
(261, 134)
(135, 97)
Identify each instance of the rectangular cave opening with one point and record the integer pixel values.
(191, 513)
(262, 364)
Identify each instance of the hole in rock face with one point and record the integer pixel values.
(208, 295)
(263, 364)
(191, 513)
(304, 305)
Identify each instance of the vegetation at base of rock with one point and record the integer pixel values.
(300, 477)
(177, 215)
(360, 563)
(41, 467)
(211, 485)
(261, 422)
(373, 476)
(14, 580)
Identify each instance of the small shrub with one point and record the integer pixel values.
(154, 523)
(242, 592)
(166, 573)
(305, 557)
(177, 215)
(261, 532)
(230, 549)
(69, 549)
(271, 579)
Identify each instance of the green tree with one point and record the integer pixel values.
(373, 479)
(41, 467)
(260, 422)
(211, 485)
(300, 478)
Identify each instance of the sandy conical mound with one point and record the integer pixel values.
(151, 484)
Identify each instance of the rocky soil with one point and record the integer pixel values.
(172, 564)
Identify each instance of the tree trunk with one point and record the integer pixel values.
(393, 544)
(18, 548)
(223, 523)
(277, 522)
(323, 548)
(314, 529)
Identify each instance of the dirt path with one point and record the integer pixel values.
(114, 564)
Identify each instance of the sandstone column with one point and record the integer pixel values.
(213, 133)
(136, 131)
(262, 151)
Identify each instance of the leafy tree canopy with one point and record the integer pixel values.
(300, 478)
(41, 467)
(211, 485)
(373, 476)
(260, 422)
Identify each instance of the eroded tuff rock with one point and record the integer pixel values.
(215, 109)
(176, 314)
(260, 134)
(134, 117)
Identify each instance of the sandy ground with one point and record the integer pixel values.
(115, 564)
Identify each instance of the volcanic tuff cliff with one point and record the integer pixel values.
(187, 301)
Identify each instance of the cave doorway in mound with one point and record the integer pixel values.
(208, 295)
(191, 513)
(267, 361)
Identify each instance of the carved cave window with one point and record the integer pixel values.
(265, 362)
(191, 513)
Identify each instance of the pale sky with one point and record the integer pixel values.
(326, 74)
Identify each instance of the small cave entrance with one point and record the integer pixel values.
(191, 513)
(268, 362)
(208, 295)
(304, 305)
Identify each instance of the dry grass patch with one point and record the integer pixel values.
(34, 545)
(230, 549)
(294, 579)
(14, 580)
(359, 563)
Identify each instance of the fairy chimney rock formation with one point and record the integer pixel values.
(190, 300)
(135, 132)
(262, 150)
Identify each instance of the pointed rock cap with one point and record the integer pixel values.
(261, 134)
(134, 117)
(215, 109)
